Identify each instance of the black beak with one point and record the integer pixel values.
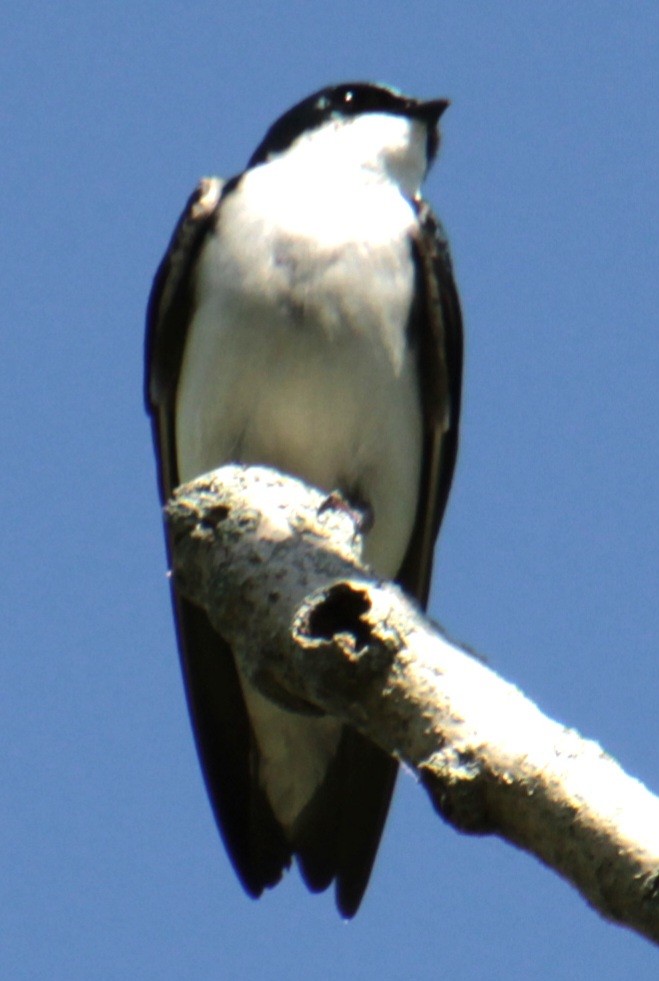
(430, 112)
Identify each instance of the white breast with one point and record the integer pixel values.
(297, 357)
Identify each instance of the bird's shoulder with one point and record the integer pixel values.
(170, 292)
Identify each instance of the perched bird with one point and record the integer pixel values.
(305, 317)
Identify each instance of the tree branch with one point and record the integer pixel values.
(277, 567)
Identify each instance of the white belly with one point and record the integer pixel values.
(320, 411)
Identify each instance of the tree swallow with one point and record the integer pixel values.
(305, 317)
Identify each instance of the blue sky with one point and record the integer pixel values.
(547, 183)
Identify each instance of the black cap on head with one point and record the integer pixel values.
(347, 99)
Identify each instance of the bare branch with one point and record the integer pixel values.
(277, 567)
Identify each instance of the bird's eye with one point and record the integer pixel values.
(348, 97)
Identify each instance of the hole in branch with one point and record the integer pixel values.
(341, 612)
(215, 515)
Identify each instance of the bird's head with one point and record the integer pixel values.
(359, 124)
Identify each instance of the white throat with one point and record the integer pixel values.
(384, 146)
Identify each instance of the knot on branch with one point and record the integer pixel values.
(455, 784)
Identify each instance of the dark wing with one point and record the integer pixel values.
(223, 735)
(338, 834)
(436, 331)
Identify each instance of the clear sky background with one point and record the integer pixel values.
(110, 864)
